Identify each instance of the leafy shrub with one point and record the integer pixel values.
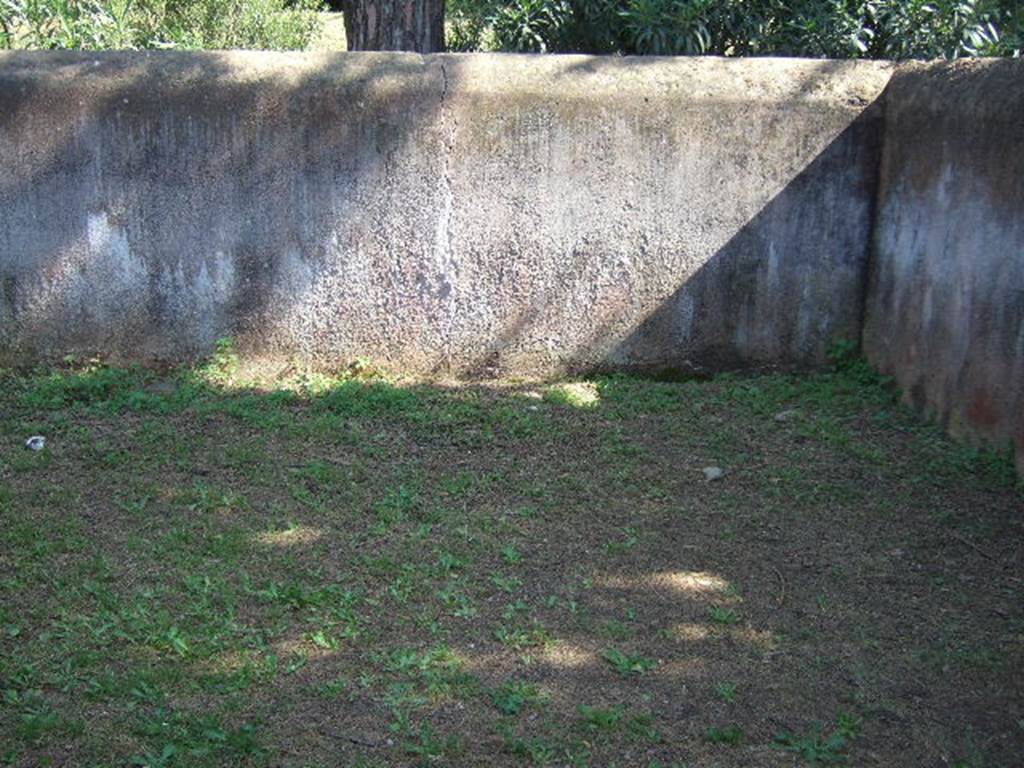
(532, 25)
(897, 29)
(132, 24)
(468, 25)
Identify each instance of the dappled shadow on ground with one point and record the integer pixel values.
(355, 570)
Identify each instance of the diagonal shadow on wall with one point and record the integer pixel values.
(757, 301)
(324, 207)
(680, 244)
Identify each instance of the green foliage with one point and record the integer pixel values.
(467, 25)
(601, 719)
(531, 25)
(846, 359)
(897, 29)
(817, 747)
(94, 383)
(537, 750)
(175, 733)
(425, 744)
(731, 735)
(726, 616)
(523, 637)
(626, 664)
(37, 717)
(136, 24)
(511, 697)
(223, 364)
(726, 692)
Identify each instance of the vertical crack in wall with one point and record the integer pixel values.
(445, 263)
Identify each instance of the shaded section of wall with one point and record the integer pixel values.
(945, 310)
(465, 214)
(152, 203)
(762, 299)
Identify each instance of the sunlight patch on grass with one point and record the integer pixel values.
(688, 632)
(300, 650)
(289, 537)
(222, 663)
(688, 582)
(578, 394)
(763, 639)
(691, 632)
(568, 656)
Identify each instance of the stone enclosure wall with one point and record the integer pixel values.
(945, 310)
(472, 215)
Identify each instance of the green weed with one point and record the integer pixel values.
(724, 616)
(512, 696)
(730, 735)
(726, 692)
(626, 664)
(817, 747)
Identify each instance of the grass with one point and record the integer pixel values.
(511, 697)
(626, 664)
(730, 735)
(818, 748)
(200, 570)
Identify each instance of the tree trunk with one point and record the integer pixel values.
(394, 25)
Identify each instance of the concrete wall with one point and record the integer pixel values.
(485, 214)
(449, 213)
(945, 310)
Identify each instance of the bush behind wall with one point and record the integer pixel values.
(878, 29)
(138, 24)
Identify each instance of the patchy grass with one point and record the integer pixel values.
(198, 571)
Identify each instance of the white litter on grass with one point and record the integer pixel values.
(713, 473)
(35, 443)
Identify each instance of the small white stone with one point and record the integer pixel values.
(782, 416)
(35, 443)
(713, 473)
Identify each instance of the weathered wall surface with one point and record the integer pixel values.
(445, 213)
(665, 213)
(945, 310)
(480, 214)
(153, 203)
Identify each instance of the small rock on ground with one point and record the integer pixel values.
(35, 443)
(713, 473)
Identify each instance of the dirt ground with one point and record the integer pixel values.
(362, 572)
